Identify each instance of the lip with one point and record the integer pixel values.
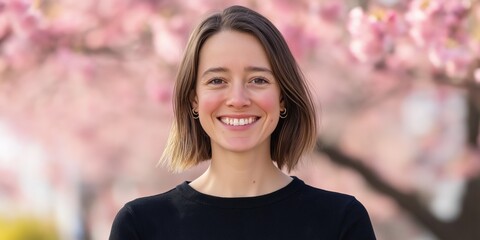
(237, 121)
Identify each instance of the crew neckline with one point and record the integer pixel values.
(193, 195)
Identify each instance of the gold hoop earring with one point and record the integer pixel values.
(195, 114)
(283, 113)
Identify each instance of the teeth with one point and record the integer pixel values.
(238, 121)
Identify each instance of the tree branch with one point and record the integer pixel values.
(409, 202)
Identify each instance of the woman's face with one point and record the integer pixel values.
(237, 97)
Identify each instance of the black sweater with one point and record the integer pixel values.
(296, 211)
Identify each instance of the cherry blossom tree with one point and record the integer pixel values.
(434, 42)
(396, 82)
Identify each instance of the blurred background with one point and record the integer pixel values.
(85, 108)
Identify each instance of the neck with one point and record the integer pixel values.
(241, 175)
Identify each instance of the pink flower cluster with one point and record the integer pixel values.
(373, 33)
(20, 28)
(434, 19)
(437, 28)
(30, 31)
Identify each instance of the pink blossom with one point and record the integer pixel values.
(373, 34)
(366, 50)
(356, 20)
(22, 19)
(452, 57)
(168, 38)
(18, 53)
(18, 6)
(430, 19)
(331, 11)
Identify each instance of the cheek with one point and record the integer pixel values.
(270, 102)
(208, 102)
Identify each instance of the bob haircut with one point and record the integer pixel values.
(188, 144)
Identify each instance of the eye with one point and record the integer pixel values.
(259, 80)
(216, 81)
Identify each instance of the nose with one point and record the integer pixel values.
(238, 96)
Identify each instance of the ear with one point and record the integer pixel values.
(193, 99)
(282, 103)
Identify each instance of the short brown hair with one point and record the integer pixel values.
(188, 144)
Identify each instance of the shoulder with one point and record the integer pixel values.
(333, 204)
(139, 217)
(342, 211)
(159, 203)
(328, 198)
(142, 209)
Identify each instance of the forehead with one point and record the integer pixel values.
(232, 49)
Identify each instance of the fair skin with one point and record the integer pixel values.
(238, 100)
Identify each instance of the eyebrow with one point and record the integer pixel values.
(248, 69)
(258, 69)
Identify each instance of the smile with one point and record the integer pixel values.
(238, 121)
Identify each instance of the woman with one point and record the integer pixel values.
(242, 103)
